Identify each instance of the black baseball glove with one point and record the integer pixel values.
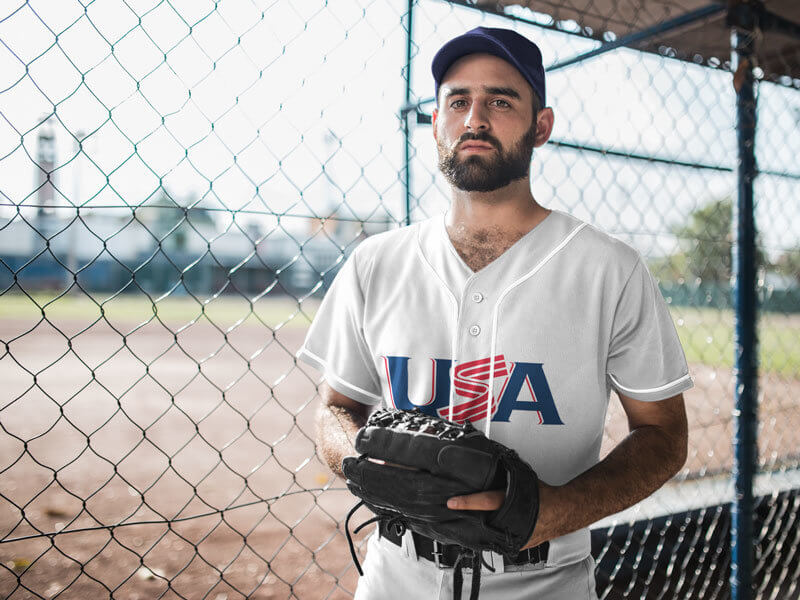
(410, 463)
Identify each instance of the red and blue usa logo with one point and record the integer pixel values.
(523, 386)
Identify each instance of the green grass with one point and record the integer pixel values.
(174, 311)
(706, 334)
(707, 337)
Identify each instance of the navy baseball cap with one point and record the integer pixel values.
(503, 43)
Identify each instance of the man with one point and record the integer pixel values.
(506, 309)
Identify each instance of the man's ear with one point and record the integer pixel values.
(544, 126)
(434, 116)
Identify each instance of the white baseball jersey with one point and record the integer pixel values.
(536, 339)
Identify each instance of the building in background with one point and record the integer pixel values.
(172, 243)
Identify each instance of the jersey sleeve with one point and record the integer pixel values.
(335, 343)
(645, 360)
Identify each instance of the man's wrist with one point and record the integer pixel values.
(551, 504)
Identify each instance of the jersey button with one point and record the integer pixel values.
(474, 330)
(477, 297)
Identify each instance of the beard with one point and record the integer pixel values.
(486, 174)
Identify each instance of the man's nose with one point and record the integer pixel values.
(476, 118)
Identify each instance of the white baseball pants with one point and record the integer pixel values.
(394, 573)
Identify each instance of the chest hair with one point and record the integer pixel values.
(478, 248)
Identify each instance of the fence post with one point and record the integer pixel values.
(742, 18)
(409, 19)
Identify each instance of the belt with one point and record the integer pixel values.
(446, 555)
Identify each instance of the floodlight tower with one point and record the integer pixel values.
(45, 163)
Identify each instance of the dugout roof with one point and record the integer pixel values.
(694, 30)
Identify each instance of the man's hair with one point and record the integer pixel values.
(537, 106)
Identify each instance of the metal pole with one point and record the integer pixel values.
(72, 245)
(641, 36)
(745, 303)
(409, 18)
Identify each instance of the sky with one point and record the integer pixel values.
(276, 107)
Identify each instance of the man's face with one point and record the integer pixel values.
(484, 126)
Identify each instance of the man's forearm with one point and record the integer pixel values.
(637, 467)
(336, 431)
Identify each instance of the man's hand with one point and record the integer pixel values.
(654, 451)
(494, 499)
(491, 500)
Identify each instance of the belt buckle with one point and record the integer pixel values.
(437, 554)
(535, 558)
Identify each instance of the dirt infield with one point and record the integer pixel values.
(118, 425)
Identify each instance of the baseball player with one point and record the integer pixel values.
(518, 318)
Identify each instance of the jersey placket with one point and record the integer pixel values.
(473, 345)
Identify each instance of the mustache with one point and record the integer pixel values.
(479, 137)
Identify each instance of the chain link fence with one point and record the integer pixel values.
(179, 183)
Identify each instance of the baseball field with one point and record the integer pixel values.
(194, 421)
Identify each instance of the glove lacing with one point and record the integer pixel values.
(476, 559)
(396, 521)
(467, 557)
(415, 420)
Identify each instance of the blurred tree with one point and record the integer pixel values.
(788, 264)
(672, 268)
(707, 242)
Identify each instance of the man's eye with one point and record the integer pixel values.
(502, 103)
(458, 104)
